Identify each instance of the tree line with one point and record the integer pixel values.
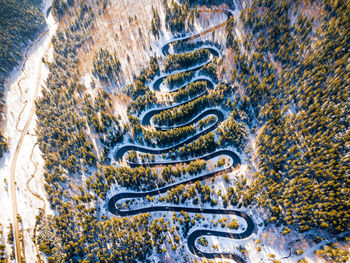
(186, 59)
(21, 23)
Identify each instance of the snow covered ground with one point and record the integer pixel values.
(19, 98)
(20, 101)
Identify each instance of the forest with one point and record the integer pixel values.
(60, 7)
(176, 61)
(20, 24)
(302, 147)
(187, 111)
(64, 120)
(288, 89)
(106, 66)
(188, 92)
(166, 138)
(209, 2)
(178, 79)
(233, 133)
(176, 16)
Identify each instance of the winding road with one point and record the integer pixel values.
(146, 120)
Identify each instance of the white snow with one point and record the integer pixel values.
(35, 73)
(272, 242)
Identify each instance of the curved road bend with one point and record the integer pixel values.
(146, 120)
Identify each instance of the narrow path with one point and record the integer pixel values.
(20, 114)
(37, 196)
(18, 148)
(146, 120)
